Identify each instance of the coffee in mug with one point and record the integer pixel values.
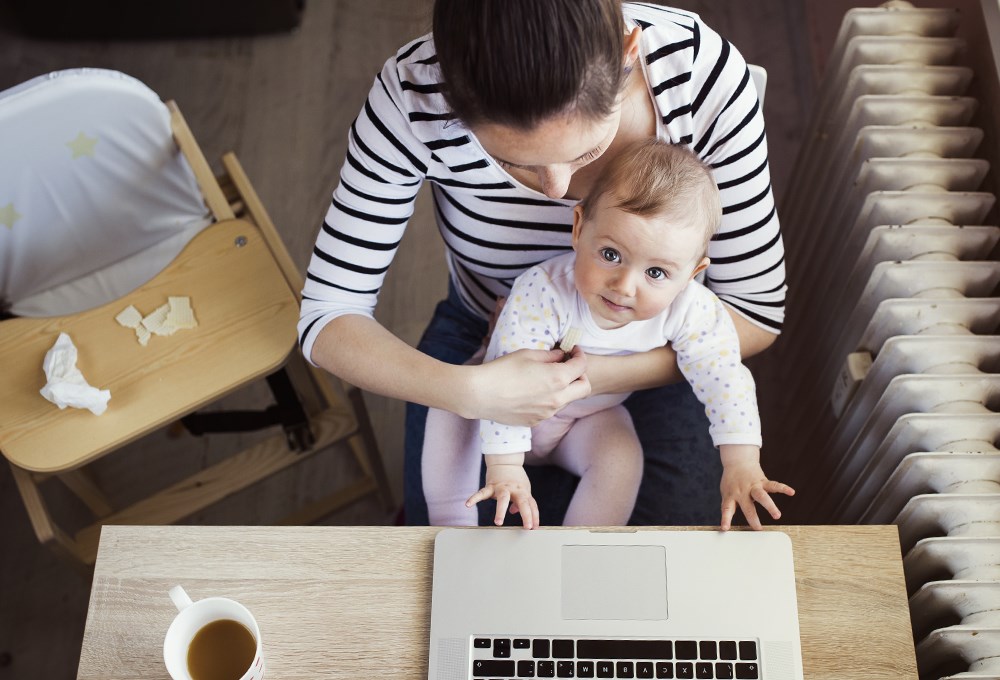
(221, 650)
(212, 639)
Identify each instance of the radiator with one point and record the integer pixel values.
(889, 406)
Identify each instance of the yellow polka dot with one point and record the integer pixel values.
(8, 216)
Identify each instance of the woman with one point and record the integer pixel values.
(510, 108)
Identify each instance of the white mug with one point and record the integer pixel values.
(192, 617)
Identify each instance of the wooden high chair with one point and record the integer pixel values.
(94, 162)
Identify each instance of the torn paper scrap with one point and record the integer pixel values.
(180, 315)
(155, 321)
(130, 317)
(66, 385)
(166, 319)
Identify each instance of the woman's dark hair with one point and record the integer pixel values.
(519, 62)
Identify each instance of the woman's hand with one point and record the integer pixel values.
(743, 482)
(527, 386)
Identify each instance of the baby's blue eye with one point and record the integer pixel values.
(656, 273)
(610, 254)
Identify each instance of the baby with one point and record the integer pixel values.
(639, 238)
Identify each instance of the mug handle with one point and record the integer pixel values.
(179, 598)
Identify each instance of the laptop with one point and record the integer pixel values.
(615, 603)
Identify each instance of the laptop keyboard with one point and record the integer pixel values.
(496, 657)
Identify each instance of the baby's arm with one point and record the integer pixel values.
(507, 481)
(529, 319)
(743, 482)
(708, 355)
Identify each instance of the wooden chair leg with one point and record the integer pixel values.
(366, 449)
(364, 445)
(41, 521)
(263, 221)
(82, 483)
(313, 398)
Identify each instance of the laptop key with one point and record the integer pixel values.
(644, 669)
(605, 669)
(482, 643)
(546, 669)
(723, 670)
(492, 668)
(584, 669)
(727, 650)
(665, 670)
(522, 643)
(703, 671)
(501, 648)
(747, 671)
(686, 649)
(625, 649)
(748, 650)
(525, 668)
(707, 650)
(625, 669)
(564, 669)
(684, 670)
(540, 649)
(562, 649)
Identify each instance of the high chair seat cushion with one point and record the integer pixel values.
(94, 200)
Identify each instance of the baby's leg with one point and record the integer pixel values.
(603, 450)
(450, 464)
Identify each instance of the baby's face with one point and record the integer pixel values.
(630, 268)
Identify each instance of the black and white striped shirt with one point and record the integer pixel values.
(494, 227)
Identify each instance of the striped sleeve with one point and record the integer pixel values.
(384, 168)
(747, 268)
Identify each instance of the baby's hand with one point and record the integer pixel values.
(743, 482)
(509, 484)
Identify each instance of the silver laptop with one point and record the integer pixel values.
(622, 603)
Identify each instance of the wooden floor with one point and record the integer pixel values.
(284, 104)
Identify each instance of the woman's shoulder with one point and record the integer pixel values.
(673, 39)
(412, 79)
(665, 26)
(660, 16)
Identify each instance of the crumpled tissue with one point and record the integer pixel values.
(66, 385)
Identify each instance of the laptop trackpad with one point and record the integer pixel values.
(620, 582)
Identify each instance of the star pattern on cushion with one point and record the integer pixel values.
(82, 145)
(8, 216)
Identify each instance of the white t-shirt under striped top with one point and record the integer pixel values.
(494, 227)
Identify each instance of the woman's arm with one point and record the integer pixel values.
(658, 367)
(522, 388)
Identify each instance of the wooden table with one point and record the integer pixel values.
(352, 602)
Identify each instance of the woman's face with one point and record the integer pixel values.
(555, 149)
(552, 151)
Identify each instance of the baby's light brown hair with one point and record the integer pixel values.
(653, 178)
